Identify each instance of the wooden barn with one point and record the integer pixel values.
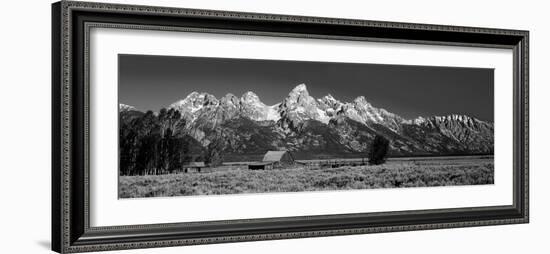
(196, 166)
(279, 158)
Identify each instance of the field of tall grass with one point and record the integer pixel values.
(393, 174)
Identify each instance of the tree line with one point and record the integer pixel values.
(152, 144)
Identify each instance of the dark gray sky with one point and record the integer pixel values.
(153, 82)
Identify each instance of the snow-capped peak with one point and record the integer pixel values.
(361, 100)
(329, 101)
(253, 108)
(301, 88)
(188, 99)
(419, 120)
(299, 95)
(124, 107)
(250, 98)
(362, 111)
(329, 97)
(330, 105)
(299, 106)
(194, 104)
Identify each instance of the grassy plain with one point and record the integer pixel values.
(398, 173)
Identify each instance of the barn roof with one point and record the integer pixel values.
(274, 155)
(261, 163)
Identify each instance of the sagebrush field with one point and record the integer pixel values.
(396, 173)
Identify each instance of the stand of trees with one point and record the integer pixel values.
(152, 144)
(379, 150)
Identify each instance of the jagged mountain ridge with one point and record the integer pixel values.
(324, 127)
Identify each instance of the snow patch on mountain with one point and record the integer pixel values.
(272, 113)
(253, 108)
(194, 104)
(124, 107)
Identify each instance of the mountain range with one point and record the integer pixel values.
(321, 127)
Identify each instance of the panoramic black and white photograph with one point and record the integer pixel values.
(217, 126)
